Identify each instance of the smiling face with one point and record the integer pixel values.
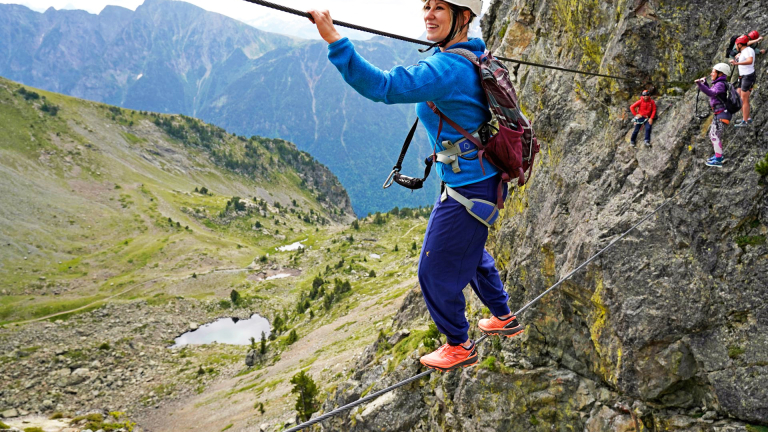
(437, 18)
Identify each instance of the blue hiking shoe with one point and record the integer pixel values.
(743, 123)
(715, 162)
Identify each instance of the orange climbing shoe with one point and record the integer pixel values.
(449, 357)
(495, 326)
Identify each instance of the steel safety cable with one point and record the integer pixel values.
(421, 42)
(484, 337)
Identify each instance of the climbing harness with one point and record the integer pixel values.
(639, 120)
(482, 339)
(450, 156)
(484, 211)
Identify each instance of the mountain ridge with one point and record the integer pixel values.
(174, 57)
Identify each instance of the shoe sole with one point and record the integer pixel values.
(504, 332)
(471, 361)
(713, 165)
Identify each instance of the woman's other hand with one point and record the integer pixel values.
(324, 23)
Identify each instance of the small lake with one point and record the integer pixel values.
(233, 331)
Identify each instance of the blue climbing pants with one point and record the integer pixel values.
(452, 256)
(648, 128)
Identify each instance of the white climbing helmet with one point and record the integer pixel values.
(476, 6)
(722, 67)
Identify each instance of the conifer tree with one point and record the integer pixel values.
(306, 395)
(263, 348)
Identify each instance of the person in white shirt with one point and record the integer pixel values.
(745, 60)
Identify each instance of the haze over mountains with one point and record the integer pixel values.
(173, 57)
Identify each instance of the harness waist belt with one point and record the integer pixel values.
(454, 151)
(484, 211)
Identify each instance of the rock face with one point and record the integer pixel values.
(250, 358)
(666, 331)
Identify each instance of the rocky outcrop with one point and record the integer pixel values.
(666, 331)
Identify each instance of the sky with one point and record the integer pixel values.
(395, 16)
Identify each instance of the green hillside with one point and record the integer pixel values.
(96, 199)
(120, 230)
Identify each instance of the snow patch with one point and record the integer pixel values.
(292, 246)
(375, 256)
(279, 276)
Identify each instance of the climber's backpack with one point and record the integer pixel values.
(514, 146)
(732, 99)
(730, 50)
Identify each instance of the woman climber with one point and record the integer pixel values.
(453, 254)
(717, 93)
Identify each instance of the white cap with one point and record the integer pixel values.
(476, 6)
(722, 67)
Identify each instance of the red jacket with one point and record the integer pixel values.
(645, 109)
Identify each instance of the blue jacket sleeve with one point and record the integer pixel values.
(428, 80)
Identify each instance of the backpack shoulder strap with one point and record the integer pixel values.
(458, 128)
(467, 54)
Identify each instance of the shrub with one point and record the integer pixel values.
(488, 363)
(235, 297)
(28, 95)
(372, 274)
(762, 166)
(105, 346)
(49, 108)
(278, 323)
(292, 337)
(378, 219)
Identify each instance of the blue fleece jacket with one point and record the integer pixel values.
(449, 80)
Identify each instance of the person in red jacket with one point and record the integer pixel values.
(644, 111)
